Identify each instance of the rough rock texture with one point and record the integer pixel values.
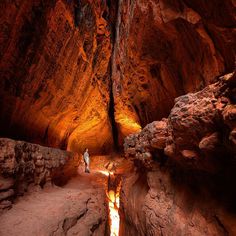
(54, 72)
(165, 48)
(72, 210)
(24, 164)
(198, 132)
(180, 202)
(80, 207)
(60, 58)
(186, 168)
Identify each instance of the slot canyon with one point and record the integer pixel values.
(148, 87)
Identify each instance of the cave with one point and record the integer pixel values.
(117, 117)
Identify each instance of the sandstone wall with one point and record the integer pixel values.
(199, 132)
(169, 200)
(55, 85)
(166, 48)
(24, 165)
(185, 168)
(60, 58)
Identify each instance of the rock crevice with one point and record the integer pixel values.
(60, 60)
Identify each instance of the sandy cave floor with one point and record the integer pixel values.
(78, 208)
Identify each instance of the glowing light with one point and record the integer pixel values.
(114, 202)
(104, 172)
(128, 124)
(107, 173)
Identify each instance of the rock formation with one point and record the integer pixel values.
(55, 86)
(200, 125)
(24, 165)
(77, 74)
(167, 48)
(71, 210)
(188, 167)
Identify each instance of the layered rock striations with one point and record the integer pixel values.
(55, 86)
(24, 165)
(186, 168)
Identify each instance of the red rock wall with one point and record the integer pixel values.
(166, 48)
(55, 86)
(24, 165)
(168, 201)
(55, 78)
(199, 132)
(185, 168)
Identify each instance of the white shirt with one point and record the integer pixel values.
(86, 158)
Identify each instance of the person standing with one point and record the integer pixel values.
(86, 160)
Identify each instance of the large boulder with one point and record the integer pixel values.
(201, 126)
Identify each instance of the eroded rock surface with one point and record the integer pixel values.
(59, 60)
(24, 165)
(167, 48)
(171, 200)
(186, 168)
(198, 132)
(55, 86)
(75, 209)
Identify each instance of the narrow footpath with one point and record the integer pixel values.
(85, 206)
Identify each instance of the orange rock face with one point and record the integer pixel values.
(67, 66)
(54, 75)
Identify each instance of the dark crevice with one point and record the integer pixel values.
(96, 226)
(69, 222)
(45, 136)
(221, 225)
(113, 7)
(111, 113)
(113, 14)
(136, 195)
